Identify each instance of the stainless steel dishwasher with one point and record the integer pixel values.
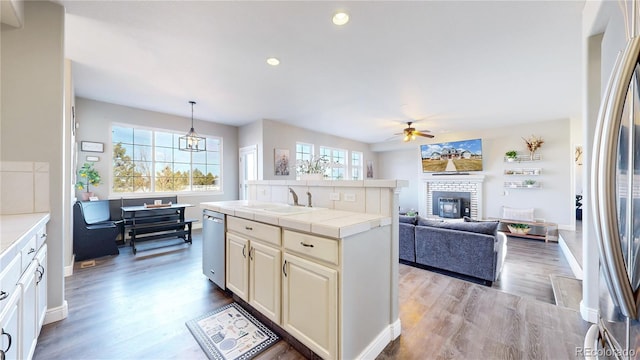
(213, 245)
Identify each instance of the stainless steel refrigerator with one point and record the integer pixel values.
(615, 196)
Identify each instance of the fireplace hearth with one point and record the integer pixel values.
(467, 187)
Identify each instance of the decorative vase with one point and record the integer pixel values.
(86, 195)
(311, 177)
(532, 155)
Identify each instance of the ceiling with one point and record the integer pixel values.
(452, 65)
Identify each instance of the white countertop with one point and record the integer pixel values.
(14, 228)
(320, 221)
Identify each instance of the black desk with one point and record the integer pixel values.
(152, 223)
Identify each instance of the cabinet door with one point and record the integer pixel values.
(238, 265)
(310, 304)
(41, 287)
(29, 296)
(9, 325)
(264, 280)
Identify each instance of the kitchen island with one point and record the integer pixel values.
(324, 276)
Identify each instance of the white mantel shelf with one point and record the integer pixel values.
(373, 183)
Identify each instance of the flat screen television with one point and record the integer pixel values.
(452, 156)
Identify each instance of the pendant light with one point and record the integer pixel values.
(192, 141)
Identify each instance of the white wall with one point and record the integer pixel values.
(32, 114)
(277, 135)
(95, 119)
(553, 202)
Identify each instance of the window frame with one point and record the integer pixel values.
(153, 191)
(298, 159)
(332, 161)
(359, 168)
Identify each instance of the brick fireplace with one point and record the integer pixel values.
(472, 184)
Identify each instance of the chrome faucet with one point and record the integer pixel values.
(295, 197)
(309, 199)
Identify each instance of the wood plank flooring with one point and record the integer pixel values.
(135, 307)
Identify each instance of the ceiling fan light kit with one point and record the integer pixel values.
(410, 133)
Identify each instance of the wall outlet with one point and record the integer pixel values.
(334, 196)
(351, 197)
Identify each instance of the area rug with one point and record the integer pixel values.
(230, 332)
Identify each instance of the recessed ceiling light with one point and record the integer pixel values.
(340, 18)
(273, 61)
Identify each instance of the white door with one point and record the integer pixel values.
(248, 169)
(310, 304)
(264, 280)
(238, 266)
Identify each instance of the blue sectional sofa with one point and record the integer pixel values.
(470, 248)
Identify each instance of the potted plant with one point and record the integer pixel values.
(511, 155)
(88, 176)
(313, 169)
(529, 183)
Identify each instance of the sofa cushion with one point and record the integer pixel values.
(408, 219)
(481, 227)
(428, 222)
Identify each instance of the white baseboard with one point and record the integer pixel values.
(381, 341)
(68, 269)
(57, 314)
(588, 314)
(573, 263)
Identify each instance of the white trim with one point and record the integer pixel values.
(68, 269)
(588, 314)
(573, 262)
(381, 341)
(57, 314)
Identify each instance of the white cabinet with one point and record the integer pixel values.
(264, 280)
(41, 287)
(253, 265)
(10, 327)
(237, 266)
(310, 304)
(23, 291)
(29, 299)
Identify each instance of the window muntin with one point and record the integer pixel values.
(148, 160)
(337, 162)
(304, 152)
(356, 165)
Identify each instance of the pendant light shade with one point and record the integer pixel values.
(192, 141)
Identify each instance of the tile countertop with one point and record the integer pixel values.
(320, 221)
(15, 228)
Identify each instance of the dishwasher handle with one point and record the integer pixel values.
(214, 219)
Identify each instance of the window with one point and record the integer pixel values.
(356, 165)
(147, 160)
(337, 160)
(303, 152)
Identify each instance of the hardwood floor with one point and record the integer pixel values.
(135, 307)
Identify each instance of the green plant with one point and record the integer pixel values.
(317, 165)
(511, 154)
(519, 226)
(88, 176)
(529, 182)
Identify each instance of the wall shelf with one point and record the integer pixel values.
(523, 157)
(523, 171)
(521, 185)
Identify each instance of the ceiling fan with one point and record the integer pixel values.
(410, 133)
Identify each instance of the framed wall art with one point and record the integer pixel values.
(281, 162)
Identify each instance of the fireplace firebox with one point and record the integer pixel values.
(449, 207)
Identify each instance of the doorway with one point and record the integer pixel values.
(248, 169)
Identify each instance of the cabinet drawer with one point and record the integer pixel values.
(28, 252)
(313, 246)
(8, 279)
(264, 232)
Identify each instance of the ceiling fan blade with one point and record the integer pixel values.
(424, 135)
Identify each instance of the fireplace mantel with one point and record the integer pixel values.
(455, 183)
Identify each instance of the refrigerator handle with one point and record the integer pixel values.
(604, 190)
